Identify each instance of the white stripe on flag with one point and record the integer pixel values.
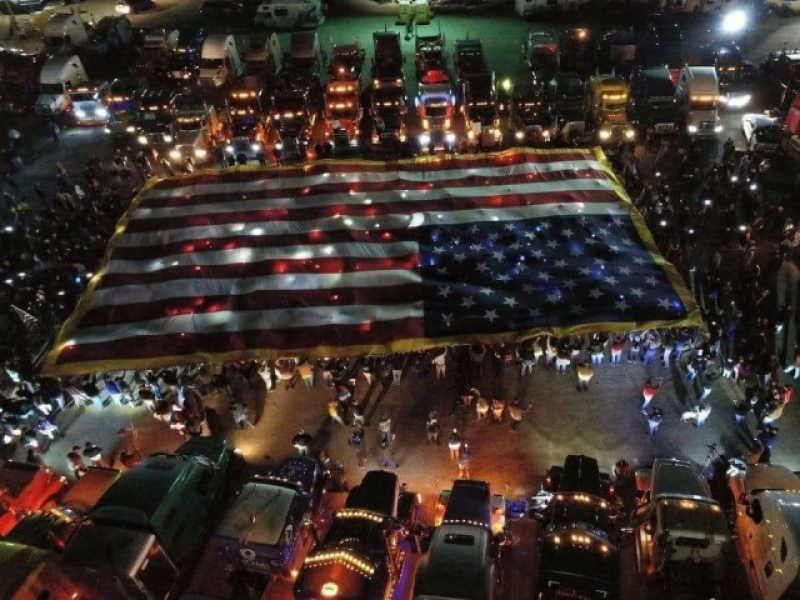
(235, 321)
(418, 175)
(384, 222)
(183, 288)
(250, 255)
(375, 198)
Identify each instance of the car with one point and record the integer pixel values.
(761, 132)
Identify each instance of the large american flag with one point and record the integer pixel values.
(344, 258)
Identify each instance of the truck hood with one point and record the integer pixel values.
(188, 138)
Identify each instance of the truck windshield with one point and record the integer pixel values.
(212, 63)
(614, 105)
(484, 114)
(702, 102)
(569, 89)
(190, 123)
(289, 108)
(436, 108)
(51, 88)
(154, 121)
(342, 106)
(305, 63)
(243, 124)
(83, 96)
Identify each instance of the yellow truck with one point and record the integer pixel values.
(605, 108)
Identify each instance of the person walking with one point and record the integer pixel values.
(239, 415)
(649, 391)
(654, 420)
(55, 132)
(617, 348)
(464, 462)
(432, 428)
(334, 410)
(454, 444)
(440, 364)
(306, 372)
(498, 407)
(515, 412)
(585, 374)
(481, 408)
(597, 347)
(652, 344)
(358, 415)
(386, 459)
(302, 442)
(357, 443)
(398, 362)
(385, 424)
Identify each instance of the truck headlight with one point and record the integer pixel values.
(168, 138)
(739, 101)
(142, 139)
(106, 130)
(255, 147)
(604, 134)
(546, 135)
(424, 139)
(200, 153)
(175, 154)
(354, 142)
(375, 138)
(101, 112)
(130, 129)
(630, 134)
(278, 146)
(447, 123)
(520, 135)
(691, 128)
(718, 128)
(80, 113)
(426, 124)
(497, 134)
(229, 149)
(450, 137)
(470, 135)
(403, 137)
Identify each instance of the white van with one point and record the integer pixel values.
(64, 32)
(289, 14)
(220, 62)
(767, 528)
(58, 75)
(698, 95)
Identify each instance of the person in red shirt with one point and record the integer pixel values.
(787, 393)
(649, 391)
(617, 348)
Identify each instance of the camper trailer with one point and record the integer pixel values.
(58, 76)
(220, 62)
(289, 14)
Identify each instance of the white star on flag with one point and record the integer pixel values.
(482, 267)
(552, 298)
(595, 293)
(664, 303)
(467, 302)
(438, 249)
(444, 291)
(460, 257)
(503, 278)
(510, 301)
(625, 270)
(569, 284)
(491, 315)
(651, 281)
(537, 254)
(476, 247)
(638, 292)
(534, 313)
(485, 290)
(621, 305)
(560, 263)
(544, 276)
(612, 280)
(577, 310)
(448, 318)
(553, 244)
(498, 255)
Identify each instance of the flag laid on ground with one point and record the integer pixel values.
(345, 258)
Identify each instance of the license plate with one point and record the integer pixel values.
(149, 117)
(664, 127)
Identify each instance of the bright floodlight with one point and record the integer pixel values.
(734, 21)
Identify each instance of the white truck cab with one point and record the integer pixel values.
(767, 527)
(59, 74)
(220, 62)
(698, 95)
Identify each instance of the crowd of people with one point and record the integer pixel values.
(731, 239)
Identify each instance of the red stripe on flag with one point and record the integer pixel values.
(261, 300)
(284, 340)
(261, 269)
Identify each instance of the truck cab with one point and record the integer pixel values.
(653, 106)
(579, 51)
(291, 124)
(152, 519)
(343, 113)
(436, 109)
(460, 562)
(469, 58)
(479, 105)
(247, 127)
(606, 110)
(90, 103)
(268, 528)
(155, 123)
(736, 76)
(564, 95)
(767, 519)
(123, 105)
(697, 94)
(25, 488)
(579, 552)
(364, 553)
(184, 60)
(677, 523)
(220, 62)
(347, 61)
(304, 64)
(388, 112)
(531, 119)
(58, 76)
(197, 128)
(541, 54)
(430, 60)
